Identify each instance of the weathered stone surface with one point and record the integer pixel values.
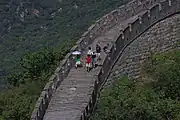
(74, 92)
(160, 38)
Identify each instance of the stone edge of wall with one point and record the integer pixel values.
(109, 20)
(101, 26)
(152, 16)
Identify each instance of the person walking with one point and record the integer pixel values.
(90, 52)
(78, 61)
(98, 51)
(105, 48)
(88, 63)
(93, 60)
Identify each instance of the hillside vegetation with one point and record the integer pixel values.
(31, 25)
(29, 45)
(159, 99)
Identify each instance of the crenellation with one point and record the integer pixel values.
(52, 78)
(165, 5)
(39, 113)
(129, 51)
(170, 2)
(145, 20)
(160, 7)
(130, 27)
(147, 44)
(154, 12)
(140, 19)
(149, 12)
(127, 35)
(47, 86)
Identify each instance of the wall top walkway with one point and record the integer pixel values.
(65, 72)
(75, 91)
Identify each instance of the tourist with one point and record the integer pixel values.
(90, 52)
(105, 48)
(78, 61)
(98, 51)
(93, 59)
(88, 63)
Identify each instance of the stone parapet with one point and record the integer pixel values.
(152, 15)
(109, 20)
(155, 13)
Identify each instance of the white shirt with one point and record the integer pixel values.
(90, 52)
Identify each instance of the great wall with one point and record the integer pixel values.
(135, 31)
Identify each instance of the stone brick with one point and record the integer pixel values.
(166, 37)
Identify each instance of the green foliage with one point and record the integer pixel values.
(17, 102)
(34, 63)
(124, 100)
(58, 21)
(165, 69)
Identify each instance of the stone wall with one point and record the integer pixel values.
(150, 17)
(157, 12)
(162, 37)
(109, 20)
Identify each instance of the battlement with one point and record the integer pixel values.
(154, 11)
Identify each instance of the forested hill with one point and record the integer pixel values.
(23, 26)
(31, 25)
(28, 28)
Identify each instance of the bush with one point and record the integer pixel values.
(18, 101)
(124, 100)
(165, 69)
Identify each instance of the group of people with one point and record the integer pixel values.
(91, 57)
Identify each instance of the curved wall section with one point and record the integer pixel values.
(151, 16)
(109, 20)
(162, 37)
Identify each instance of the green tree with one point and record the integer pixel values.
(165, 69)
(157, 100)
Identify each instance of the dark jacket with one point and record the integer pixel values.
(98, 49)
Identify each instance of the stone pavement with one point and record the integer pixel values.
(74, 93)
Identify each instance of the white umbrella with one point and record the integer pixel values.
(76, 53)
